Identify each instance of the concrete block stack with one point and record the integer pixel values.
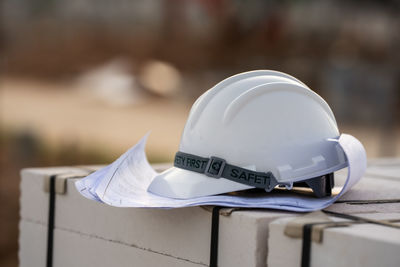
(87, 233)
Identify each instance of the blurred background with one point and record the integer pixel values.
(83, 80)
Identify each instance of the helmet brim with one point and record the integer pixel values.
(182, 184)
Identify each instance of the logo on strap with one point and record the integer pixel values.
(215, 167)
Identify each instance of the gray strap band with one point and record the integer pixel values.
(217, 167)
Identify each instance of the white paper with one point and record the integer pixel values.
(124, 183)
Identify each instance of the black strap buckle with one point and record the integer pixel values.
(215, 167)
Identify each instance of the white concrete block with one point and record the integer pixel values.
(78, 249)
(180, 233)
(181, 237)
(388, 168)
(32, 244)
(358, 245)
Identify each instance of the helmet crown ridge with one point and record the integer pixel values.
(259, 90)
(204, 99)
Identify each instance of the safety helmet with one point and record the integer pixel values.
(258, 129)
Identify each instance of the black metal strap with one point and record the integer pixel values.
(217, 167)
(362, 219)
(50, 223)
(52, 210)
(306, 245)
(307, 240)
(368, 201)
(214, 236)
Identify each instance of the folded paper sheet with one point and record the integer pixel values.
(124, 183)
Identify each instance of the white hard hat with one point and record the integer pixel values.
(255, 129)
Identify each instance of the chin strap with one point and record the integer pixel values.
(216, 168)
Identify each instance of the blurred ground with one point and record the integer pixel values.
(60, 113)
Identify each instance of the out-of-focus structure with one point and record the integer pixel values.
(83, 80)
